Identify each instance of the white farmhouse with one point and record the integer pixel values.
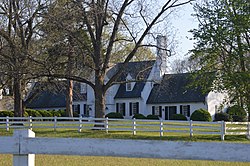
(145, 88)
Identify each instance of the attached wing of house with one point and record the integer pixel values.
(52, 96)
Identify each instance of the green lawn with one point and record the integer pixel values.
(50, 160)
(171, 136)
(56, 160)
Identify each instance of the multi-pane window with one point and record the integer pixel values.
(76, 108)
(185, 110)
(86, 110)
(120, 108)
(129, 86)
(157, 110)
(133, 108)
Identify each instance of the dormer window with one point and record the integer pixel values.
(129, 86)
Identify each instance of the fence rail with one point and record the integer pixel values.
(134, 125)
(24, 145)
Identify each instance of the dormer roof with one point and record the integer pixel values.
(139, 71)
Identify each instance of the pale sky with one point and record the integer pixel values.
(184, 22)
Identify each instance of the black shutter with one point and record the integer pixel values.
(180, 109)
(117, 107)
(137, 107)
(160, 110)
(84, 109)
(188, 113)
(78, 109)
(153, 110)
(124, 109)
(130, 109)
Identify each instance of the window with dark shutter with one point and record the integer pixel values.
(153, 110)
(180, 109)
(188, 113)
(124, 109)
(130, 109)
(137, 107)
(160, 111)
(117, 107)
(78, 109)
(185, 110)
(84, 109)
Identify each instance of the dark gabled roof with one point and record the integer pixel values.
(139, 71)
(174, 89)
(52, 95)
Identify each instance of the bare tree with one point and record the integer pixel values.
(19, 20)
(135, 20)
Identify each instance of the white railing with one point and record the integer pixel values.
(23, 145)
(132, 125)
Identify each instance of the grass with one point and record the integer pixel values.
(168, 136)
(51, 160)
(73, 133)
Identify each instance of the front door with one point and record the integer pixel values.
(169, 112)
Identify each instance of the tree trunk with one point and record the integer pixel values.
(99, 103)
(18, 108)
(99, 100)
(69, 98)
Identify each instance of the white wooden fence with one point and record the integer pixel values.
(133, 125)
(23, 145)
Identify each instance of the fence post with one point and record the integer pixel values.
(55, 121)
(7, 124)
(30, 122)
(23, 159)
(134, 126)
(80, 124)
(191, 128)
(107, 125)
(223, 130)
(161, 128)
(248, 130)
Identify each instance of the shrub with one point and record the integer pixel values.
(25, 114)
(114, 115)
(237, 113)
(56, 113)
(178, 117)
(154, 117)
(75, 114)
(62, 113)
(201, 115)
(222, 116)
(45, 113)
(33, 113)
(6, 113)
(138, 116)
(237, 118)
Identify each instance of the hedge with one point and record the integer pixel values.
(114, 115)
(6, 113)
(237, 113)
(33, 113)
(178, 117)
(222, 116)
(201, 115)
(138, 116)
(154, 117)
